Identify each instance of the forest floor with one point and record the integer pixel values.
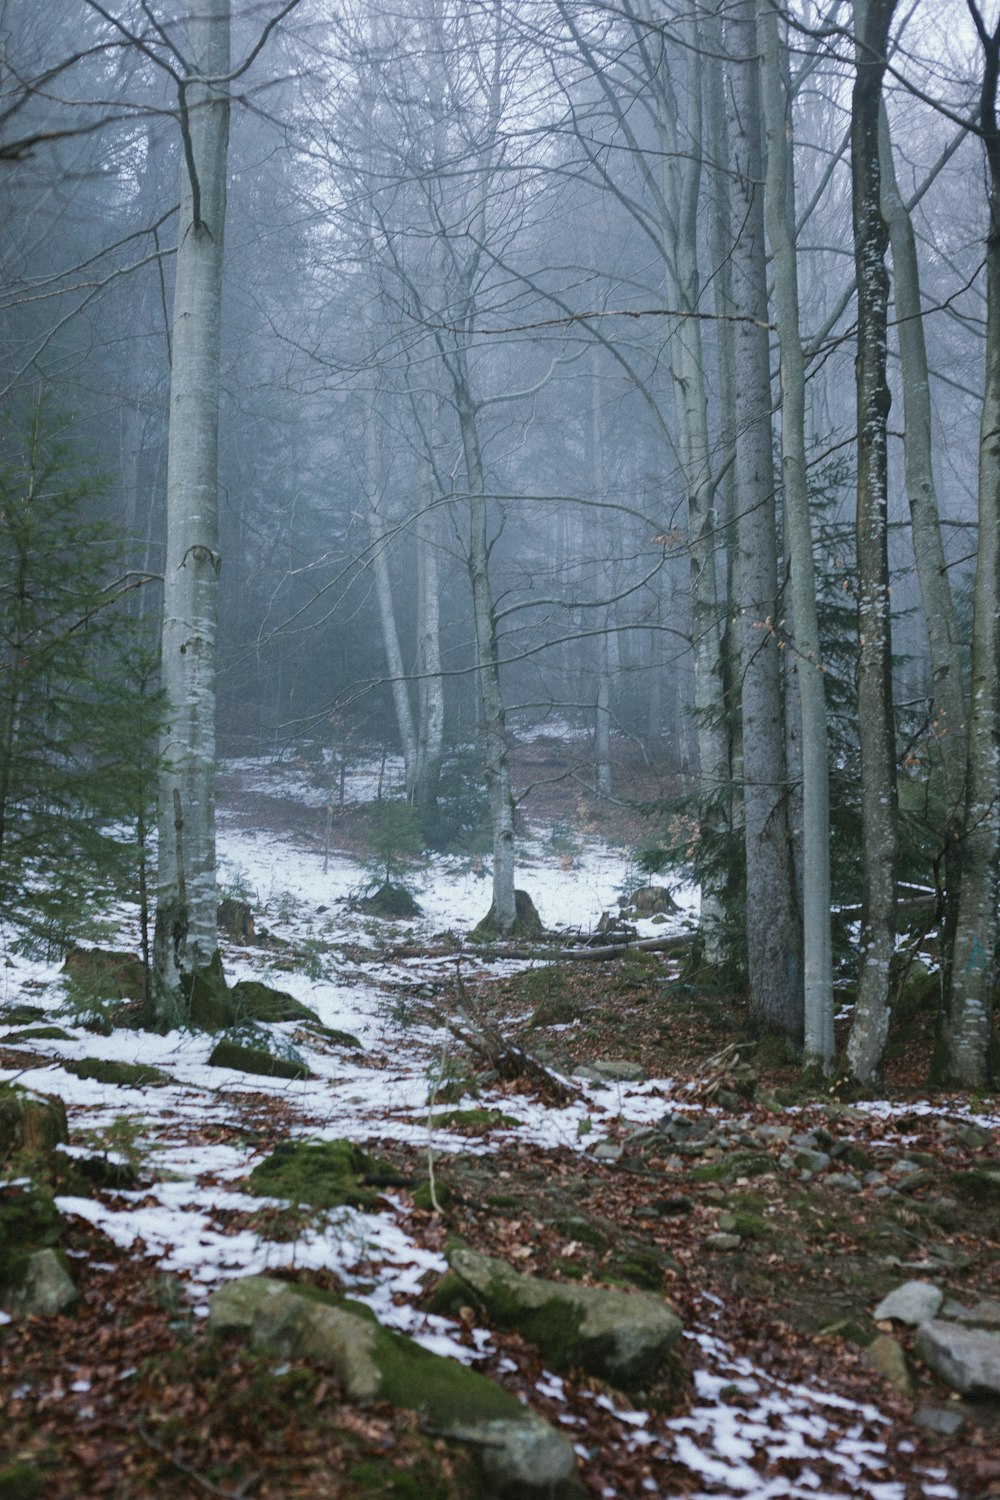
(686, 1173)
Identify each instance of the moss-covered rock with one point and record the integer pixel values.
(31, 1125)
(22, 1015)
(38, 1034)
(395, 902)
(122, 1074)
(422, 1195)
(980, 1185)
(527, 922)
(20, 1482)
(518, 1453)
(229, 1054)
(325, 1174)
(621, 1337)
(474, 1121)
(102, 974)
(209, 1005)
(32, 1277)
(255, 1001)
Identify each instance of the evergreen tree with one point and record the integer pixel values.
(78, 709)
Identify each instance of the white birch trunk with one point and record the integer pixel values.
(772, 919)
(967, 1029)
(808, 666)
(430, 719)
(870, 1024)
(186, 900)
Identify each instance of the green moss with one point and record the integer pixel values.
(450, 1294)
(125, 1075)
(39, 1034)
(30, 1125)
(338, 1038)
(716, 1171)
(23, 1015)
(475, 1121)
(422, 1195)
(391, 901)
(254, 1001)
(227, 1054)
(641, 1267)
(20, 1482)
(976, 1186)
(29, 1221)
(582, 1231)
(100, 974)
(446, 1393)
(324, 1174)
(424, 1480)
(210, 1006)
(527, 922)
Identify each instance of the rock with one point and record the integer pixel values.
(613, 1070)
(915, 1180)
(845, 1181)
(886, 1356)
(20, 1482)
(985, 1314)
(255, 1001)
(31, 1125)
(324, 1174)
(914, 1302)
(29, 1222)
(649, 901)
(621, 1337)
(47, 1288)
(943, 1419)
(235, 919)
(121, 1074)
(518, 1453)
(808, 1160)
(723, 1241)
(226, 1054)
(976, 1186)
(102, 974)
(607, 1151)
(965, 1358)
(974, 1137)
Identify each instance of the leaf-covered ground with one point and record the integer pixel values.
(774, 1222)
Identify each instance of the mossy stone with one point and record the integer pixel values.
(976, 1186)
(23, 1015)
(20, 1482)
(209, 1004)
(391, 901)
(39, 1034)
(581, 1230)
(102, 974)
(422, 1196)
(29, 1221)
(123, 1074)
(31, 1125)
(641, 1267)
(325, 1174)
(338, 1038)
(256, 1001)
(227, 1054)
(474, 1121)
(527, 922)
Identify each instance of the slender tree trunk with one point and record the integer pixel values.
(772, 920)
(870, 1025)
(967, 1027)
(186, 933)
(430, 742)
(808, 666)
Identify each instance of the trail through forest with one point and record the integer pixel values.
(682, 1165)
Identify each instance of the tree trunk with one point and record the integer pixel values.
(967, 1027)
(870, 1025)
(186, 936)
(772, 920)
(430, 695)
(808, 666)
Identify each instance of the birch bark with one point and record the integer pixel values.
(772, 921)
(808, 665)
(879, 817)
(186, 933)
(967, 1027)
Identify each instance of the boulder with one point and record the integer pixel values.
(255, 1001)
(47, 1288)
(886, 1356)
(613, 1070)
(519, 1455)
(914, 1302)
(967, 1359)
(242, 1059)
(31, 1125)
(623, 1337)
(325, 1174)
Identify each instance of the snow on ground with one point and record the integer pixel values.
(380, 1093)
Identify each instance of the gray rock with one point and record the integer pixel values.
(614, 1070)
(808, 1160)
(914, 1302)
(520, 1456)
(623, 1337)
(975, 1137)
(845, 1181)
(965, 1358)
(886, 1356)
(607, 1151)
(768, 1135)
(47, 1288)
(723, 1241)
(943, 1419)
(984, 1314)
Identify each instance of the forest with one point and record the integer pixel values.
(499, 748)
